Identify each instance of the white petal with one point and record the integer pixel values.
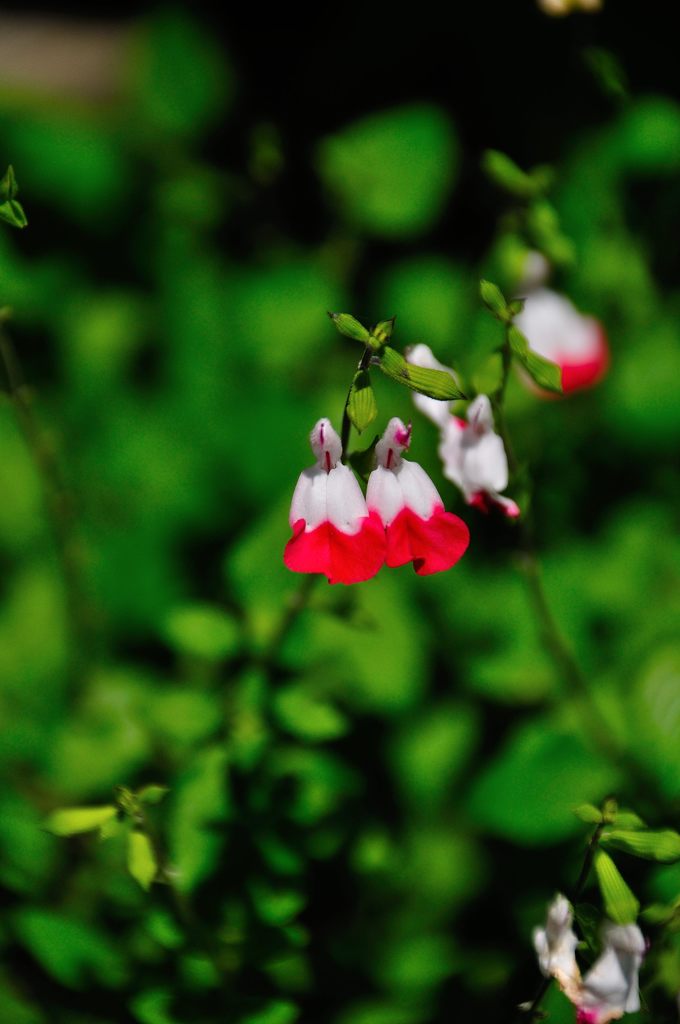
(556, 330)
(309, 498)
(395, 440)
(451, 450)
(345, 504)
(384, 494)
(326, 444)
(480, 415)
(556, 944)
(611, 985)
(435, 410)
(484, 464)
(419, 493)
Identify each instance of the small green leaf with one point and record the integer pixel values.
(72, 820)
(433, 383)
(152, 794)
(504, 172)
(494, 300)
(663, 845)
(516, 306)
(544, 373)
(382, 332)
(362, 462)
(350, 327)
(11, 209)
(202, 631)
(141, 859)
(589, 813)
(619, 902)
(362, 408)
(610, 808)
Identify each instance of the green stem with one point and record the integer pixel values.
(363, 364)
(57, 501)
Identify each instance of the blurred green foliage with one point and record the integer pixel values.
(368, 811)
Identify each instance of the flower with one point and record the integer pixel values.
(333, 531)
(474, 459)
(556, 943)
(610, 988)
(557, 331)
(472, 453)
(401, 494)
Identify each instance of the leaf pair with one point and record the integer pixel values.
(545, 374)
(11, 210)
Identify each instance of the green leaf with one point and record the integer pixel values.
(202, 631)
(544, 373)
(433, 383)
(310, 719)
(589, 813)
(619, 902)
(277, 1012)
(663, 845)
(70, 950)
(350, 327)
(152, 794)
(141, 859)
(494, 300)
(69, 821)
(362, 408)
(11, 210)
(629, 820)
(504, 172)
(200, 806)
(391, 172)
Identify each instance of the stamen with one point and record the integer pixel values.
(328, 459)
(388, 460)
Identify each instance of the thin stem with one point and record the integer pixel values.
(57, 501)
(363, 364)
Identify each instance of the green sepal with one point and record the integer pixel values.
(494, 300)
(620, 904)
(141, 859)
(350, 327)
(362, 408)
(544, 373)
(11, 209)
(70, 821)
(362, 462)
(662, 845)
(382, 332)
(515, 306)
(433, 383)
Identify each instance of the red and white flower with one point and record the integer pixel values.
(333, 531)
(557, 331)
(473, 455)
(417, 527)
(610, 988)
(474, 459)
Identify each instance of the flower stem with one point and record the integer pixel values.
(57, 502)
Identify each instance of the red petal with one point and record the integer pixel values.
(588, 373)
(432, 544)
(342, 557)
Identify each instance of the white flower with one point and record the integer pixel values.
(556, 944)
(610, 988)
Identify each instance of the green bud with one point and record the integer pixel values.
(545, 374)
(362, 408)
(382, 332)
(433, 383)
(505, 173)
(350, 327)
(589, 813)
(494, 300)
(620, 904)
(662, 845)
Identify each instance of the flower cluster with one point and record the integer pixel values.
(338, 532)
(610, 988)
(473, 455)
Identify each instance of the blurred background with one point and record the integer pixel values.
(369, 805)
